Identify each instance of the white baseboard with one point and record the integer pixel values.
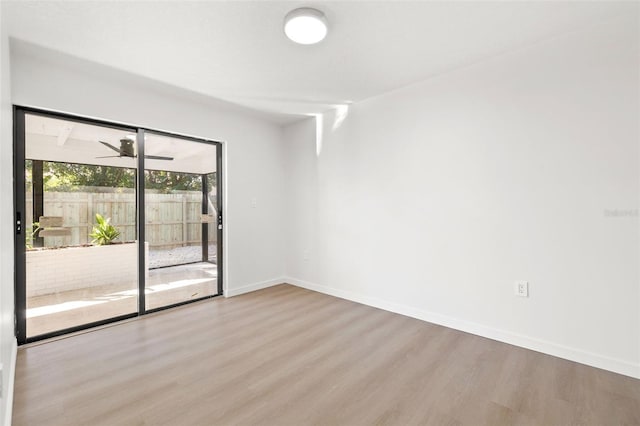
(253, 287)
(8, 398)
(550, 348)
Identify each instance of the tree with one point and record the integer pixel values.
(67, 177)
(165, 181)
(71, 177)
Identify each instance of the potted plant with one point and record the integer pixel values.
(103, 232)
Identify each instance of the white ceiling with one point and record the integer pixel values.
(236, 50)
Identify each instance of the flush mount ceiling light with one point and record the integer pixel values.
(305, 25)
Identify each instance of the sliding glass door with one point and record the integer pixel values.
(77, 208)
(83, 188)
(180, 207)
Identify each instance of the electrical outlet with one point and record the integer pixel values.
(521, 288)
(254, 202)
(305, 255)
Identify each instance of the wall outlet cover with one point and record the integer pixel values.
(521, 288)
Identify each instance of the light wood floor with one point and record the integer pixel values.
(288, 356)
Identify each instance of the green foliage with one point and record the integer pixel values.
(103, 232)
(166, 182)
(71, 177)
(32, 232)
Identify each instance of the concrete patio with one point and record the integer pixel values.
(165, 286)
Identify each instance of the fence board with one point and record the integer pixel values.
(173, 220)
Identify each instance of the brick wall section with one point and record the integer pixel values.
(73, 268)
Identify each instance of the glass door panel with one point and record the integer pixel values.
(180, 220)
(79, 209)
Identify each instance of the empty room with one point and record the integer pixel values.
(319, 213)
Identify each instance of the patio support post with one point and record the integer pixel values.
(205, 224)
(37, 180)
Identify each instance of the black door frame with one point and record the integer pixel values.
(19, 135)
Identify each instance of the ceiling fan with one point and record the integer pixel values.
(126, 150)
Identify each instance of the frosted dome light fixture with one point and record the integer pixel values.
(305, 25)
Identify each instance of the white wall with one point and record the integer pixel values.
(433, 199)
(7, 339)
(45, 79)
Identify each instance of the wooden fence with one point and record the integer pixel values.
(172, 220)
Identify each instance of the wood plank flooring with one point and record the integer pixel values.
(289, 356)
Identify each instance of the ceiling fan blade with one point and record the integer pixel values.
(110, 146)
(157, 157)
(111, 156)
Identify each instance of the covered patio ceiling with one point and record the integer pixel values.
(51, 139)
